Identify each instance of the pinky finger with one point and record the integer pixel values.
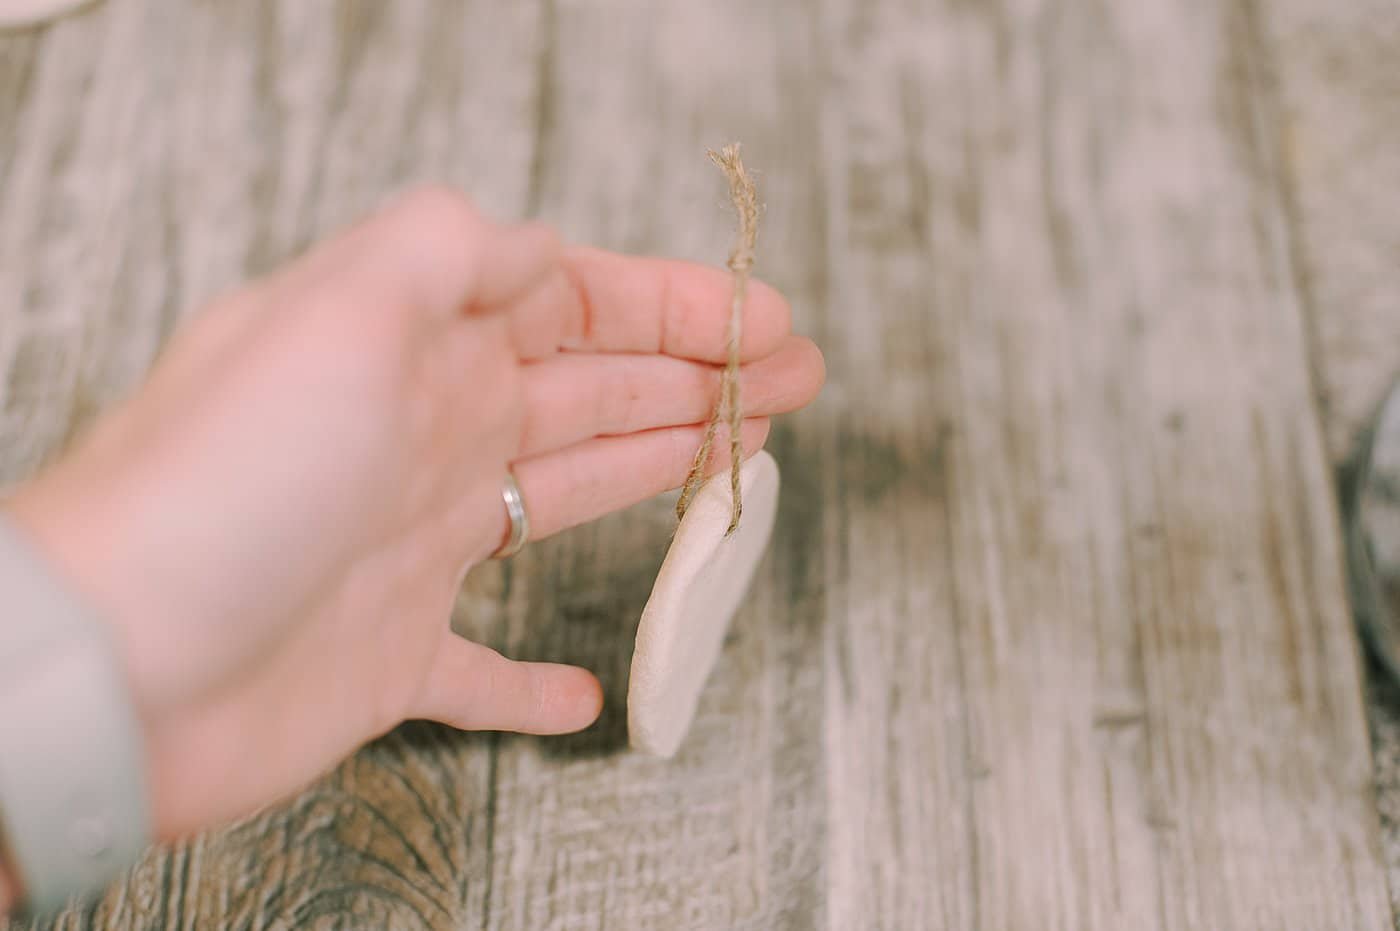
(591, 479)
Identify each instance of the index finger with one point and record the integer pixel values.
(606, 302)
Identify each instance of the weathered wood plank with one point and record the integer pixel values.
(1090, 663)
(1051, 634)
(1340, 137)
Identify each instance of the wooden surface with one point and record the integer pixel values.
(1337, 85)
(1340, 136)
(1052, 633)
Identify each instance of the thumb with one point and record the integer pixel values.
(473, 687)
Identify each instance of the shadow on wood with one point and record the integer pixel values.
(588, 615)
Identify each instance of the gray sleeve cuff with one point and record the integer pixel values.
(73, 799)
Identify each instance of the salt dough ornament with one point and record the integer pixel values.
(31, 12)
(697, 592)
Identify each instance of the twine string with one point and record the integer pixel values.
(729, 407)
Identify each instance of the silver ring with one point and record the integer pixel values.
(519, 520)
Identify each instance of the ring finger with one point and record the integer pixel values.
(586, 481)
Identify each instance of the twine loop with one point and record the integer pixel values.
(728, 406)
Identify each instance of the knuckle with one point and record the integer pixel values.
(504, 390)
(536, 704)
(616, 400)
(493, 669)
(681, 446)
(437, 214)
(631, 398)
(520, 691)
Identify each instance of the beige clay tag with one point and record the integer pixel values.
(697, 592)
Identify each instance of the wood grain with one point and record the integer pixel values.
(1092, 412)
(1340, 140)
(1052, 633)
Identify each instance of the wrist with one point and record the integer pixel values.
(70, 515)
(77, 517)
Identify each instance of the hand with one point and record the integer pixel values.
(277, 523)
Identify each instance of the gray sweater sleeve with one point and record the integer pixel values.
(74, 809)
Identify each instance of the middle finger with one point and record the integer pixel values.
(576, 396)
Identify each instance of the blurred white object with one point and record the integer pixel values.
(32, 12)
(697, 592)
